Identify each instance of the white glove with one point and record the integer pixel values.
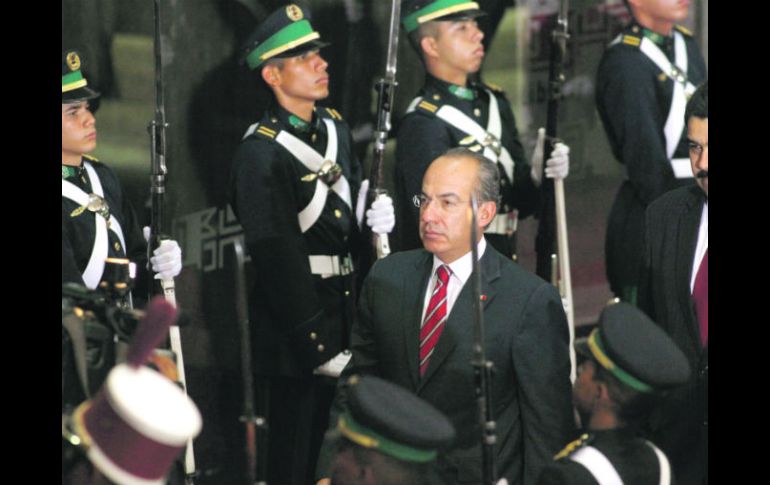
(361, 203)
(557, 166)
(381, 217)
(167, 258)
(333, 367)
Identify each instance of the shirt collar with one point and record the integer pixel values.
(465, 93)
(293, 123)
(462, 267)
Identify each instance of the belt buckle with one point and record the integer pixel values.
(493, 143)
(346, 265)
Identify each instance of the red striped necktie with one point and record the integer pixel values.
(435, 317)
(700, 295)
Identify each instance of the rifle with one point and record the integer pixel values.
(157, 131)
(482, 368)
(386, 88)
(553, 217)
(256, 426)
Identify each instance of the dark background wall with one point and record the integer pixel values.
(211, 100)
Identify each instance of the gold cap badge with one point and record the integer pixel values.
(294, 12)
(73, 61)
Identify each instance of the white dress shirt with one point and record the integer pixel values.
(703, 243)
(461, 270)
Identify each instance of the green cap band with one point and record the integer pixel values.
(289, 37)
(370, 439)
(597, 349)
(71, 81)
(435, 10)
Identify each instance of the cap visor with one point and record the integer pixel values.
(301, 49)
(81, 94)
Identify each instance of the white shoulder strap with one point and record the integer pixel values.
(683, 89)
(665, 467)
(95, 267)
(312, 160)
(598, 465)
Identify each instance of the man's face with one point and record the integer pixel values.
(300, 78)
(662, 10)
(346, 471)
(445, 223)
(457, 45)
(584, 391)
(698, 141)
(78, 130)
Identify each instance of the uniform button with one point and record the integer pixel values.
(313, 336)
(635, 29)
(321, 347)
(274, 120)
(477, 112)
(436, 97)
(337, 213)
(117, 246)
(313, 138)
(503, 182)
(347, 292)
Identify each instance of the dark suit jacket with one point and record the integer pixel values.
(680, 424)
(526, 337)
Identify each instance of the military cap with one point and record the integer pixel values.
(285, 33)
(417, 12)
(392, 420)
(635, 350)
(74, 86)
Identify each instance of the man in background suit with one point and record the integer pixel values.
(674, 293)
(526, 332)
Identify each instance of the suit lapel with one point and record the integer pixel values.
(413, 297)
(689, 223)
(459, 325)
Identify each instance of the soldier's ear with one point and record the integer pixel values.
(429, 47)
(271, 75)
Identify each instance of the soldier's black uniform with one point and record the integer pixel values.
(299, 319)
(633, 459)
(633, 97)
(422, 137)
(79, 225)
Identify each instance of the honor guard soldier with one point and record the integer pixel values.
(453, 110)
(631, 361)
(98, 222)
(644, 80)
(296, 189)
(387, 436)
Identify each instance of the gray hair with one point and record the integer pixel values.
(488, 189)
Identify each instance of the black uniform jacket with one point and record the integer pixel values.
(78, 228)
(299, 320)
(526, 339)
(422, 137)
(633, 97)
(632, 458)
(680, 424)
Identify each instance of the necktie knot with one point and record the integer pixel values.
(442, 273)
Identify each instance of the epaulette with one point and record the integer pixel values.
(632, 40)
(267, 129)
(683, 30)
(493, 87)
(91, 158)
(574, 446)
(427, 106)
(334, 113)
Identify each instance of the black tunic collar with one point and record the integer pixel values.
(294, 124)
(449, 90)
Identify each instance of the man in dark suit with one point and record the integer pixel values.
(415, 329)
(674, 293)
